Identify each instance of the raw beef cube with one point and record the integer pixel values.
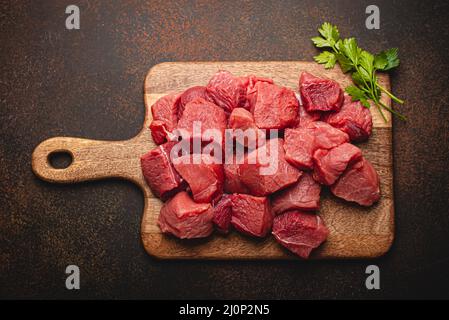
(299, 146)
(319, 94)
(301, 143)
(227, 91)
(205, 178)
(305, 117)
(303, 195)
(233, 183)
(242, 119)
(205, 113)
(326, 136)
(299, 232)
(353, 118)
(159, 172)
(251, 215)
(159, 132)
(253, 80)
(266, 171)
(274, 107)
(251, 90)
(223, 213)
(165, 117)
(330, 164)
(186, 219)
(359, 183)
(231, 167)
(190, 95)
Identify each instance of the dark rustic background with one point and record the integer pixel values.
(88, 83)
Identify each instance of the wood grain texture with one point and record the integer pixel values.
(355, 232)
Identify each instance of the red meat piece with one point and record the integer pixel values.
(305, 117)
(319, 94)
(223, 213)
(165, 117)
(227, 91)
(299, 232)
(274, 107)
(159, 172)
(326, 136)
(205, 178)
(359, 183)
(353, 118)
(303, 195)
(299, 146)
(205, 113)
(330, 164)
(190, 95)
(186, 219)
(159, 132)
(252, 80)
(266, 171)
(233, 183)
(301, 143)
(251, 90)
(242, 119)
(251, 215)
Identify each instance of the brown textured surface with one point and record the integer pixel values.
(87, 83)
(355, 232)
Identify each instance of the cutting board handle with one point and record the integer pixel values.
(91, 159)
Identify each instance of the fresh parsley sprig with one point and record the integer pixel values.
(362, 65)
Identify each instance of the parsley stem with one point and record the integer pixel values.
(364, 81)
(399, 115)
(366, 91)
(377, 103)
(388, 93)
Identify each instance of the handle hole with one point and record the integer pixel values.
(60, 159)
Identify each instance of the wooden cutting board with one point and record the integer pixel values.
(355, 232)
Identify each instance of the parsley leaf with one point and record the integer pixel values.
(380, 61)
(329, 32)
(367, 61)
(387, 59)
(358, 95)
(321, 43)
(349, 49)
(357, 79)
(344, 62)
(327, 58)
